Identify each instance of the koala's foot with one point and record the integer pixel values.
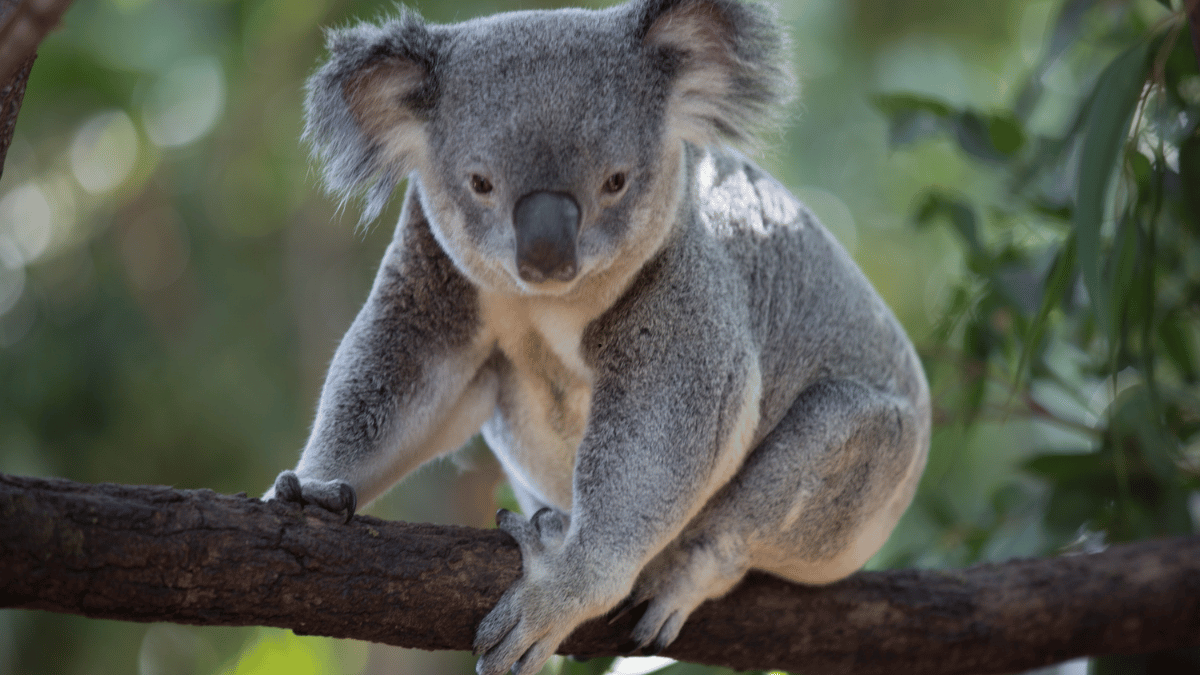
(542, 608)
(676, 583)
(331, 495)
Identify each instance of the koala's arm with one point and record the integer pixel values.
(405, 384)
(674, 409)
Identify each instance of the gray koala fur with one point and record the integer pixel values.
(694, 381)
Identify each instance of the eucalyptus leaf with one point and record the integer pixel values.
(1125, 295)
(1137, 426)
(960, 214)
(1114, 101)
(1177, 331)
(1189, 176)
(890, 104)
(1058, 281)
(912, 118)
(1066, 466)
(993, 138)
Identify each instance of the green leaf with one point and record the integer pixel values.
(1176, 334)
(890, 104)
(1189, 175)
(1062, 274)
(992, 138)
(1065, 467)
(1006, 133)
(960, 214)
(1126, 296)
(1113, 103)
(1137, 424)
(1082, 487)
(977, 346)
(912, 118)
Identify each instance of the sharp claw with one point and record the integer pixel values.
(621, 610)
(287, 488)
(500, 514)
(652, 650)
(516, 667)
(350, 499)
(516, 526)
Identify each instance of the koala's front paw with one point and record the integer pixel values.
(331, 495)
(541, 609)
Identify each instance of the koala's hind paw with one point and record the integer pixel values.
(676, 584)
(332, 495)
(659, 626)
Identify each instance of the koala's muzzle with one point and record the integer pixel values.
(547, 227)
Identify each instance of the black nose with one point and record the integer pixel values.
(546, 224)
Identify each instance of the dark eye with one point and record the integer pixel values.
(614, 183)
(480, 185)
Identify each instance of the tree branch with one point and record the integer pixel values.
(12, 94)
(23, 26)
(145, 553)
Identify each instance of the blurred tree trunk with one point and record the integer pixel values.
(11, 95)
(145, 553)
(1194, 20)
(23, 25)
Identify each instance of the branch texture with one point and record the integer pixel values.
(23, 26)
(12, 93)
(146, 553)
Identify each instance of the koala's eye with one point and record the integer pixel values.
(614, 183)
(480, 185)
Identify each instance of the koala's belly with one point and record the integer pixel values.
(536, 429)
(543, 396)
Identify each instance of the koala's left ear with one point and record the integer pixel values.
(725, 62)
(367, 105)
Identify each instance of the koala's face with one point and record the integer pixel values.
(545, 147)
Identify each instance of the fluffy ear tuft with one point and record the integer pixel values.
(726, 62)
(366, 107)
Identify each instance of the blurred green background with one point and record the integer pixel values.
(173, 281)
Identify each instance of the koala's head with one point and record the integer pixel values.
(547, 144)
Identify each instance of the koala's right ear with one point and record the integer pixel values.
(367, 105)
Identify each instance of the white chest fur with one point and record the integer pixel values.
(544, 395)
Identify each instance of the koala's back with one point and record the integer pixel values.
(812, 313)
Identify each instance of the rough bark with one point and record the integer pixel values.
(146, 553)
(23, 25)
(12, 83)
(12, 93)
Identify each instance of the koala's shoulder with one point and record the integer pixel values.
(736, 198)
(420, 280)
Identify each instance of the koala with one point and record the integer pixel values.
(683, 374)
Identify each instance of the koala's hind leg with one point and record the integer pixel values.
(813, 501)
